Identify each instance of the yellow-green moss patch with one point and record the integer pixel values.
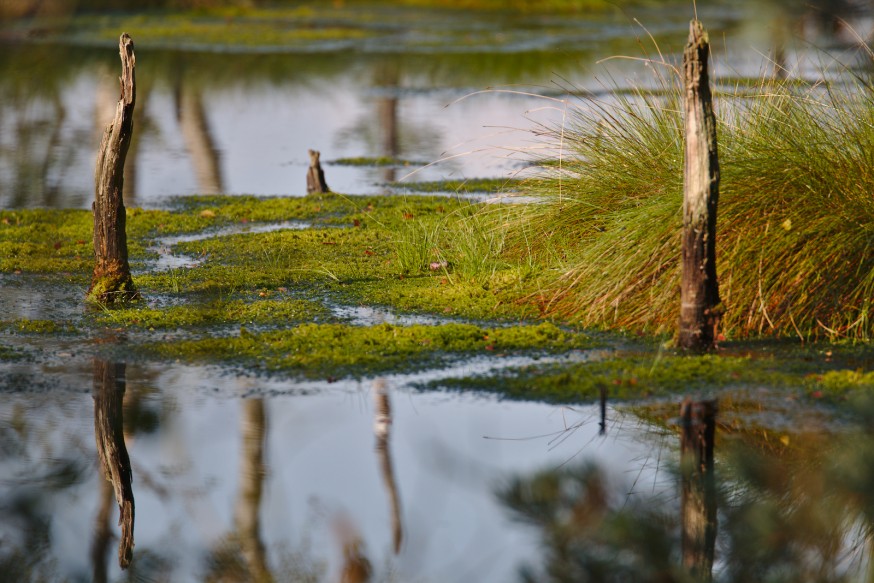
(334, 350)
(37, 326)
(280, 311)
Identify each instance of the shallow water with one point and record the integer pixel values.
(332, 472)
(448, 453)
(222, 119)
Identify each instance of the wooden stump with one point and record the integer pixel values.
(698, 487)
(109, 387)
(315, 176)
(111, 281)
(700, 306)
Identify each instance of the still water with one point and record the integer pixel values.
(239, 477)
(222, 463)
(430, 93)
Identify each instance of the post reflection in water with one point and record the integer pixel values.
(795, 506)
(382, 428)
(109, 388)
(241, 555)
(387, 82)
(698, 487)
(247, 513)
(102, 534)
(198, 138)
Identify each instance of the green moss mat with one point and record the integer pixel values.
(318, 350)
(262, 300)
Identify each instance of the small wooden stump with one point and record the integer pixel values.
(700, 306)
(315, 176)
(111, 281)
(698, 496)
(109, 387)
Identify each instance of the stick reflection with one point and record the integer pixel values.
(109, 387)
(382, 429)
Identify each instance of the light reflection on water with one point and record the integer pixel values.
(242, 122)
(192, 462)
(193, 433)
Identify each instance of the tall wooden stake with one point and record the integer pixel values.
(112, 281)
(700, 307)
(698, 499)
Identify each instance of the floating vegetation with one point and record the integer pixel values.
(375, 161)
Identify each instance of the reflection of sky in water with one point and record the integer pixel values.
(259, 124)
(320, 453)
(449, 454)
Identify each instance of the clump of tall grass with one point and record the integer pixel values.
(795, 239)
(465, 244)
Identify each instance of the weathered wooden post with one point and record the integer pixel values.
(315, 176)
(109, 387)
(698, 487)
(700, 307)
(112, 280)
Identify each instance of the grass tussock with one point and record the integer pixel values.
(795, 222)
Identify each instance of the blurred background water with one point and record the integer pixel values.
(245, 478)
(419, 87)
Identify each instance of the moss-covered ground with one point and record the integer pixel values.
(264, 276)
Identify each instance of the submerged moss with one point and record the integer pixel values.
(374, 161)
(28, 326)
(9, 353)
(334, 350)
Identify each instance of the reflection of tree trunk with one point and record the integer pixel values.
(387, 114)
(102, 534)
(356, 566)
(780, 65)
(382, 429)
(32, 167)
(247, 516)
(698, 423)
(109, 387)
(198, 138)
(603, 424)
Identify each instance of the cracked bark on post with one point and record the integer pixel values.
(112, 280)
(700, 307)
